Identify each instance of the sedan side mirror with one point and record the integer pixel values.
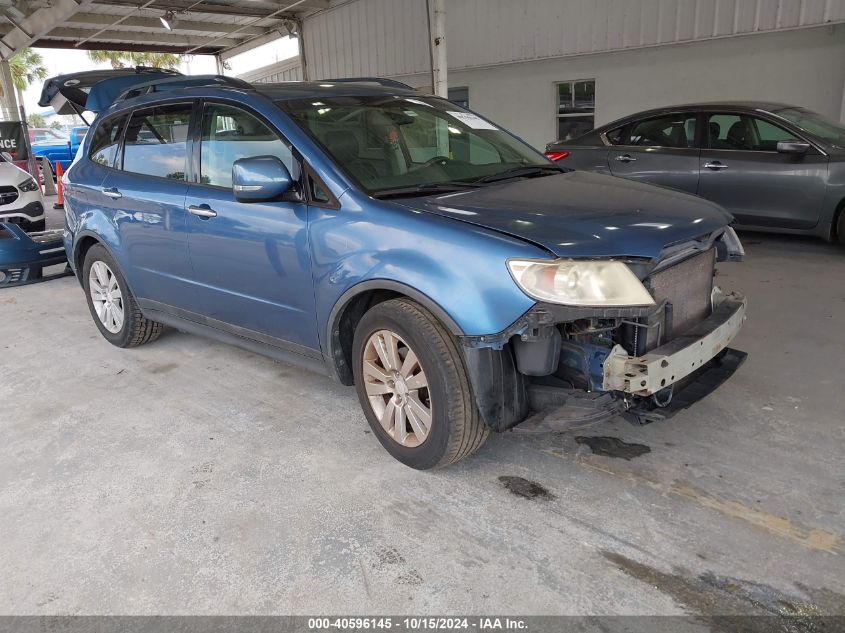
(793, 147)
(260, 178)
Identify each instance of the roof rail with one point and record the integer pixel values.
(381, 81)
(182, 81)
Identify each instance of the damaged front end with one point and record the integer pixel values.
(24, 256)
(561, 367)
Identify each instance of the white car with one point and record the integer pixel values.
(20, 197)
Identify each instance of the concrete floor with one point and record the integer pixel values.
(190, 477)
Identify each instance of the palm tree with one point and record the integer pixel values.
(26, 67)
(35, 120)
(120, 59)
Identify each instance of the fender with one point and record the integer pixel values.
(333, 353)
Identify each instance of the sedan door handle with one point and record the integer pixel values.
(625, 158)
(112, 192)
(715, 165)
(202, 211)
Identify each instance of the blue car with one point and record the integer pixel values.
(397, 242)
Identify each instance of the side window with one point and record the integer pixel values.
(155, 141)
(615, 136)
(768, 135)
(106, 140)
(318, 194)
(673, 130)
(229, 133)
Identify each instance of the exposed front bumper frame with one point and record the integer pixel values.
(665, 365)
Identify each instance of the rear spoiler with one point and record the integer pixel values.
(74, 94)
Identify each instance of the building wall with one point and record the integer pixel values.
(390, 37)
(285, 70)
(801, 67)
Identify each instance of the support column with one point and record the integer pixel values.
(437, 43)
(8, 103)
(303, 61)
(220, 68)
(11, 111)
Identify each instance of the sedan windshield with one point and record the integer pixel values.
(397, 145)
(816, 125)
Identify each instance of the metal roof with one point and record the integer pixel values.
(200, 27)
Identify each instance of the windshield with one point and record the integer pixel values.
(46, 136)
(815, 124)
(395, 143)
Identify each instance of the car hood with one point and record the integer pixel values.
(582, 214)
(11, 174)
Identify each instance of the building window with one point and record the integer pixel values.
(576, 106)
(459, 96)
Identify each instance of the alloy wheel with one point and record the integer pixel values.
(397, 388)
(106, 296)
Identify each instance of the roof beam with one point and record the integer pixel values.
(247, 45)
(37, 24)
(98, 20)
(290, 6)
(106, 39)
(134, 47)
(242, 10)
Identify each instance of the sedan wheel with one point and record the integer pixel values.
(397, 388)
(106, 296)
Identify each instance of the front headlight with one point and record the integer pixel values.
(28, 185)
(580, 283)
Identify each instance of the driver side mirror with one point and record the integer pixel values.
(260, 178)
(793, 147)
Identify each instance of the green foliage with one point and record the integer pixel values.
(35, 120)
(122, 59)
(56, 125)
(26, 68)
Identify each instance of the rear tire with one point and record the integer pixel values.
(111, 303)
(425, 355)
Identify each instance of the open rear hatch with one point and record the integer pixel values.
(73, 94)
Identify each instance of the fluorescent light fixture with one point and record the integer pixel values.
(168, 20)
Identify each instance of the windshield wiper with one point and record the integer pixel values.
(423, 189)
(522, 171)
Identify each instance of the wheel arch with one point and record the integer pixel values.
(351, 306)
(82, 244)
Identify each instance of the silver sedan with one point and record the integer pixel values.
(775, 167)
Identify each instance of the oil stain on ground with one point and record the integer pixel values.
(613, 447)
(525, 488)
(721, 600)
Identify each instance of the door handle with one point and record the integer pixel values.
(625, 158)
(202, 211)
(112, 192)
(715, 165)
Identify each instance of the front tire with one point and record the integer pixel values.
(111, 303)
(413, 386)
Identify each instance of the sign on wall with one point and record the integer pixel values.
(12, 140)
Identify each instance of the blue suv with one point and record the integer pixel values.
(462, 282)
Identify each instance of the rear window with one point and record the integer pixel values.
(106, 140)
(155, 142)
